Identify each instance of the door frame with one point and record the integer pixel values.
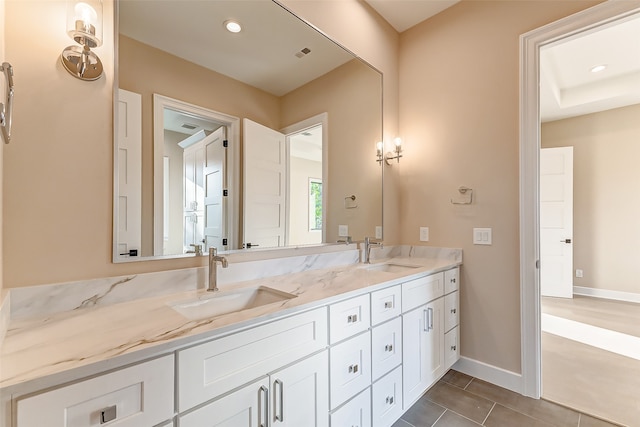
(160, 102)
(530, 45)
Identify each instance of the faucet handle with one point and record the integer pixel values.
(213, 251)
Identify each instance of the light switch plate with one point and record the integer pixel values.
(343, 230)
(424, 234)
(378, 232)
(579, 273)
(482, 236)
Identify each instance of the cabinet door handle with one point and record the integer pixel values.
(426, 320)
(453, 311)
(453, 347)
(390, 400)
(453, 280)
(388, 347)
(263, 406)
(352, 318)
(108, 414)
(388, 304)
(430, 315)
(279, 384)
(353, 369)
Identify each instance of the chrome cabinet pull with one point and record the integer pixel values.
(452, 280)
(263, 407)
(388, 347)
(453, 311)
(108, 414)
(453, 347)
(390, 400)
(388, 304)
(352, 318)
(426, 320)
(430, 312)
(279, 384)
(353, 369)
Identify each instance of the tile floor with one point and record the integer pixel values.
(458, 400)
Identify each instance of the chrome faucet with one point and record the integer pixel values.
(367, 248)
(213, 268)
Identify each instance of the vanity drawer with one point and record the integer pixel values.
(451, 348)
(420, 291)
(451, 280)
(386, 347)
(214, 368)
(355, 413)
(349, 368)
(387, 399)
(348, 318)
(451, 310)
(385, 304)
(141, 395)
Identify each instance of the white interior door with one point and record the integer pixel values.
(556, 222)
(264, 185)
(193, 182)
(215, 159)
(129, 234)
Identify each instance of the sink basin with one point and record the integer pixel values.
(392, 268)
(224, 302)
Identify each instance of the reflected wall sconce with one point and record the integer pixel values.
(84, 26)
(391, 155)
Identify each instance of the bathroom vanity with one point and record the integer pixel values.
(352, 345)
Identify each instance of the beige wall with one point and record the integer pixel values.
(459, 119)
(300, 172)
(606, 205)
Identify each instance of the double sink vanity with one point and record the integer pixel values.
(330, 343)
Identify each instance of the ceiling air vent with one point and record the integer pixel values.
(304, 52)
(189, 126)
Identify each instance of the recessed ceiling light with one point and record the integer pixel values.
(233, 26)
(598, 68)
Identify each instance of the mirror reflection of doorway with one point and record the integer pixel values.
(304, 207)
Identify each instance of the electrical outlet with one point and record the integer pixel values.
(343, 230)
(579, 273)
(378, 232)
(482, 236)
(424, 234)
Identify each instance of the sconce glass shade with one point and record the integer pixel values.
(84, 26)
(84, 22)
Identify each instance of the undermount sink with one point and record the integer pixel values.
(225, 302)
(391, 267)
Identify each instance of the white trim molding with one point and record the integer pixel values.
(530, 45)
(492, 374)
(607, 294)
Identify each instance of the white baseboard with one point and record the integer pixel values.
(489, 373)
(607, 294)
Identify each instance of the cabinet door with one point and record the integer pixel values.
(451, 347)
(350, 371)
(385, 304)
(386, 347)
(300, 393)
(423, 349)
(355, 413)
(387, 399)
(246, 407)
(451, 310)
(349, 318)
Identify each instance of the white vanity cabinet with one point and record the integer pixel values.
(140, 395)
(350, 368)
(451, 317)
(387, 399)
(355, 413)
(294, 396)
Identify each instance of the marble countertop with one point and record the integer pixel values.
(42, 351)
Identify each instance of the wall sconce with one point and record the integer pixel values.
(84, 26)
(396, 154)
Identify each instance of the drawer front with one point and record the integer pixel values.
(355, 413)
(385, 304)
(451, 310)
(349, 368)
(348, 318)
(451, 347)
(214, 368)
(452, 280)
(141, 395)
(386, 347)
(387, 399)
(420, 291)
